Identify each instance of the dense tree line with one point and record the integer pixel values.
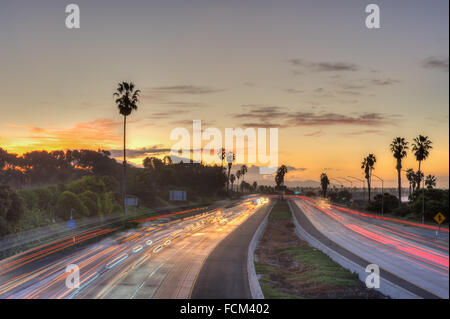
(38, 168)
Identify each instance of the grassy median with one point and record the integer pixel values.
(289, 268)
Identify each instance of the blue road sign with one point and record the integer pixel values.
(71, 224)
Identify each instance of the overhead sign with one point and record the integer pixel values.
(131, 201)
(439, 218)
(177, 195)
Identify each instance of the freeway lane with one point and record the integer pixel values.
(410, 254)
(224, 273)
(107, 268)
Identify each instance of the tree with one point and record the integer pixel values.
(127, 99)
(232, 180)
(279, 177)
(398, 148)
(255, 186)
(421, 148)
(244, 171)
(324, 182)
(410, 175)
(430, 181)
(367, 165)
(231, 157)
(222, 155)
(238, 176)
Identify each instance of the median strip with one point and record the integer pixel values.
(288, 268)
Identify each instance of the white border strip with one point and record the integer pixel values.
(253, 281)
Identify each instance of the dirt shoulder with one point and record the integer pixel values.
(288, 268)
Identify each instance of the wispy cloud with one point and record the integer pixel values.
(185, 89)
(437, 63)
(323, 66)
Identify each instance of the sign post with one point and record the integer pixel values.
(439, 218)
(71, 224)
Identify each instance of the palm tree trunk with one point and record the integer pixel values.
(228, 179)
(368, 188)
(420, 178)
(399, 185)
(124, 180)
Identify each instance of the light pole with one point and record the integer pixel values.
(363, 185)
(351, 185)
(382, 193)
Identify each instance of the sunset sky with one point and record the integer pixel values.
(335, 89)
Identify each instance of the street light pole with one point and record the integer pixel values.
(363, 183)
(382, 193)
(351, 185)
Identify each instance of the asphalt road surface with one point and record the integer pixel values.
(408, 255)
(224, 273)
(151, 261)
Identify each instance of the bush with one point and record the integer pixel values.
(68, 201)
(402, 210)
(436, 200)
(12, 209)
(390, 202)
(91, 201)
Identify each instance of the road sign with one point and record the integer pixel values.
(439, 218)
(71, 224)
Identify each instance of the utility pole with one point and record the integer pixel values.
(382, 193)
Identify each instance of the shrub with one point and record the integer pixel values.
(68, 201)
(390, 202)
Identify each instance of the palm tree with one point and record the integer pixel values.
(430, 181)
(244, 171)
(127, 100)
(410, 175)
(238, 176)
(367, 165)
(232, 179)
(324, 182)
(281, 172)
(398, 148)
(222, 154)
(231, 157)
(421, 148)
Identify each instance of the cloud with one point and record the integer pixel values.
(185, 89)
(99, 133)
(324, 66)
(295, 91)
(382, 82)
(436, 63)
(275, 116)
(315, 134)
(141, 152)
(312, 119)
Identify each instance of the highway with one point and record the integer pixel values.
(408, 254)
(154, 260)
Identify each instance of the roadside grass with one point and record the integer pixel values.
(288, 268)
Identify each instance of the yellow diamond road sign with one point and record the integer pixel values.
(439, 218)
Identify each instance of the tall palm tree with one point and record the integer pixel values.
(231, 157)
(324, 182)
(232, 179)
(421, 148)
(238, 176)
(127, 100)
(367, 165)
(398, 148)
(222, 155)
(244, 171)
(430, 181)
(410, 175)
(279, 177)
